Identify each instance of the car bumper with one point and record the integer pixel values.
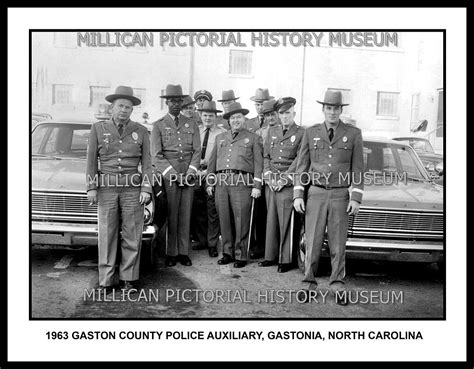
(66, 234)
(393, 250)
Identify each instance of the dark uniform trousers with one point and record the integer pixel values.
(234, 203)
(120, 156)
(205, 219)
(238, 163)
(279, 209)
(326, 206)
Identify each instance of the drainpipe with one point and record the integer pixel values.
(302, 83)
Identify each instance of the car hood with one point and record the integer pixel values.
(63, 175)
(413, 196)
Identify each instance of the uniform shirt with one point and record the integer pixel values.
(341, 160)
(222, 123)
(253, 124)
(118, 154)
(175, 149)
(280, 151)
(263, 132)
(243, 153)
(215, 130)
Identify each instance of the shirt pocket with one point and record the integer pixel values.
(316, 148)
(344, 151)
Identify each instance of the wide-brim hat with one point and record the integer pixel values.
(333, 98)
(284, 104)
(173, 91)
(235, 108)
(261, 94)
(268, 106)
(203, 94)
(228, 95)
(123, 92)
(187, 101)
(210, 107)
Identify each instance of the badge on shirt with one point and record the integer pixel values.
(344, 139)
(135, 136)
(246, 141)
(186, 125)
(293, 138)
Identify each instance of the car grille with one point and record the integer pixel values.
(397, 223)
(62, 206)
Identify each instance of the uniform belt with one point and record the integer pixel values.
(327, 187)
(232, 171)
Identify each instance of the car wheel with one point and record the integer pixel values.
(301, 250)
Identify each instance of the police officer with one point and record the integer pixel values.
(176, 153)
(331, 154)
(200, 97)
(205, 219)
(189, 110)
(271, 119)
(228, 98)
(120, 145)
(261, 95)
(280, 158)
(237, 159)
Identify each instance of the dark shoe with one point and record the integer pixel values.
(213, 252)
(267, 263)
(184, 260)
(240, 263)
(170, 261)
(226, 259)
(129, 287)
(256, 254)
(341, 298)
(283, 268)
(303, 296)
(199, 246)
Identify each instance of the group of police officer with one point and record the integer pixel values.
(239, 179)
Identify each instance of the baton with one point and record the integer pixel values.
(251, 225)
(292, 224)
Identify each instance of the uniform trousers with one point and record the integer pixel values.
(326, 209)
(115, 204)
(205, 220)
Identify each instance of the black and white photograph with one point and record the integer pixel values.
(257, 186)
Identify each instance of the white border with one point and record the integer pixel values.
(443, 340)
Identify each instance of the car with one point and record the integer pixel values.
(431, 160)
(401, 217)
(60, 211)
(37, 117)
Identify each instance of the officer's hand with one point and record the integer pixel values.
(92, 197)
(144, 198)
(353, 207)
(210, 190)
(298, 204)
(256, 193)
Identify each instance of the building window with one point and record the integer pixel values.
(62, 94)
(240, 62)
(415, 110)
(141, 94)
(387, 104)
(346, 99)
(65, 40)
(440, 118)
(97, 95)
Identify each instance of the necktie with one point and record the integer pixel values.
(204, 144)
(176, 121)
(331, 134)
(284, 131)
(234, 135)
(262, 120)
(120, 129)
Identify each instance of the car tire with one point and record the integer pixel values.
(146, 256)
(301, 253)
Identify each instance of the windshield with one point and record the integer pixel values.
(60, 140)
(419, 145)
(384, 158)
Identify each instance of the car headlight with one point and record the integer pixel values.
(439, 167)
(430, 167)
